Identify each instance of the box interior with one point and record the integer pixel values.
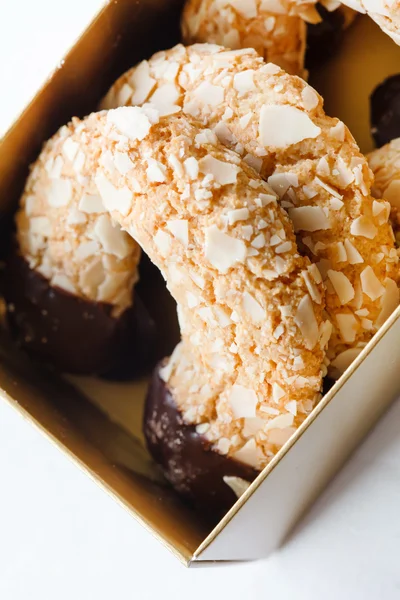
(98, 422)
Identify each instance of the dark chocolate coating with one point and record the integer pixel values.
(323, 38)
(72, 334)
(328, 383)
(385, 111)
(186, 458)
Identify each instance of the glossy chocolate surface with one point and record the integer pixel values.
(190, 465)
(72, 334)
(385, 111)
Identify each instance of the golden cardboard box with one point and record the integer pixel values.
(97, 424)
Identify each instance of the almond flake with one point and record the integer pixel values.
(278, 331)
(328, 188)
(223, 445)
(323, 168)
(245, 120)
(253, 308)
(166, 371)
(237, 484)
(224, 134)
(59, 193)
(253, 162)
(192, 300)
(277, 392)
(165, 95)
(309, 97)
(122, 162)
(41, 226)
(243, 82)
(91, 203)
(345, 174)
(335, 203)
(191, 167)
(111, 285)
(353, 255)
(363, 227)
(223, 173)
(124, 95)
(252, 426)
(221, 316)
(280, 422)
(292, 407)
(392, 193)
(348, 325)
(76, 217)
(367, 324)
(309, 192)
(259, 241)
(206, 137)
(141, 82)
(203, 428)
(208, 94)
(111, 237)
(163, 242)
(222, 250)
(265, 199)
(308, 218)
(70, 148)
(86, 249)
(269, 410)
(130, 121)
(273, 6)
(338, 131)
(239, 214)
(341, 285)
(155, 171)
(119, 199)
(54, 167)
(311, 287)
(243, 401)
(306, 322)
(381, 211)
(280, 183)
(285, 247)
(246, 8)
(63, 282)
(341, 252)
(179, 229)
(279, 437)
(370, 284)
(269, 24)
(281, 126)
(247, 231)
(248, 453)
(176, 164)
(389, 301)
(344, 360)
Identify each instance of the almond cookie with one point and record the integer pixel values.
(71, 272)
(250, 308)
(385, 165)
(250, 364)
(277, 124)
(264, 25)
(386, 13)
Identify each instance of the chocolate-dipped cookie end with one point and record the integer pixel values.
(198, 473)
(72, 334)
(385, 111)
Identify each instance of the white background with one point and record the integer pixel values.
(62, 538)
